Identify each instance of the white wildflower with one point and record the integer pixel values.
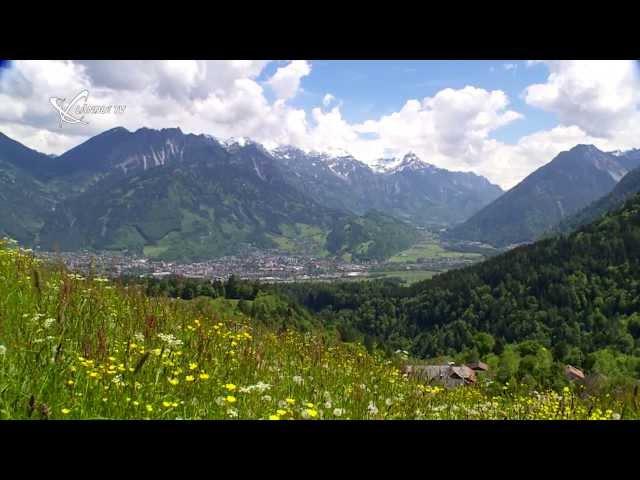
(615, 416)
(327, 404)
(388, 402)
(337, 412)
(232, 412)
(3, 350)
(139, 337)
(266, 398)
(220, 401)
(262, 387)
(373, 410)
(48, 322)
(298, 379)
(169, 339)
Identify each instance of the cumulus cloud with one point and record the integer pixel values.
(601, 97)
(328, 99)
(286, 81)
(595, 102)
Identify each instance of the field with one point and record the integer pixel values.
(429, 249)
(408, 276)
(73, 347)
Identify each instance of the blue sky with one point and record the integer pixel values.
(466, 126)
(370, 89)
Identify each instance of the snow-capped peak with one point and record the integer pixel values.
(412, 162)
(393, 165)
(383, 165)
(236, 141)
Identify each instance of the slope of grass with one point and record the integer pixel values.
(73, 347)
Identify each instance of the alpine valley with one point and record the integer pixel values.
(176, 196)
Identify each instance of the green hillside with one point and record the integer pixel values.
(84, 348)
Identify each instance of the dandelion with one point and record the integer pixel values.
(230, 399)
(274, 417)
(149, 408)
(166, 404)
(189, 378)
(70, 382)
(290, 401)
(204, 376)
(230, 386)
(281, 412)
(193, 366)
(65, 411)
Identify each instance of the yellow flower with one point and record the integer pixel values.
(70, 382)
(65, 411)
(309, 405)
(312, 413)
(282, 413)
(93, 374)
(204, 376)
(274, 417)
(193, 366)
(166, 404)
(290, 401)
(174, 381)
(230, 399)
(149, 408)
(136, 403)
(230, 386)
(156, 351)
(189, 378)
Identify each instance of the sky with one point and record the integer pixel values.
(499, 119)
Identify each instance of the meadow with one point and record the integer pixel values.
(74, 347)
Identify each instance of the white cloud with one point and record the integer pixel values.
(602, 97)
(510, 66)
(595, 102)
(328, 99)
(286, 81)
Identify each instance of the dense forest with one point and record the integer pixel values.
(565, 300)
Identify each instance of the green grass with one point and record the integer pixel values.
(408, 276)
(430, 250)
(80, 348)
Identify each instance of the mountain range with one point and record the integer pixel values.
(177, 196)
(180, 196)
(570, 182)
(407, 188)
